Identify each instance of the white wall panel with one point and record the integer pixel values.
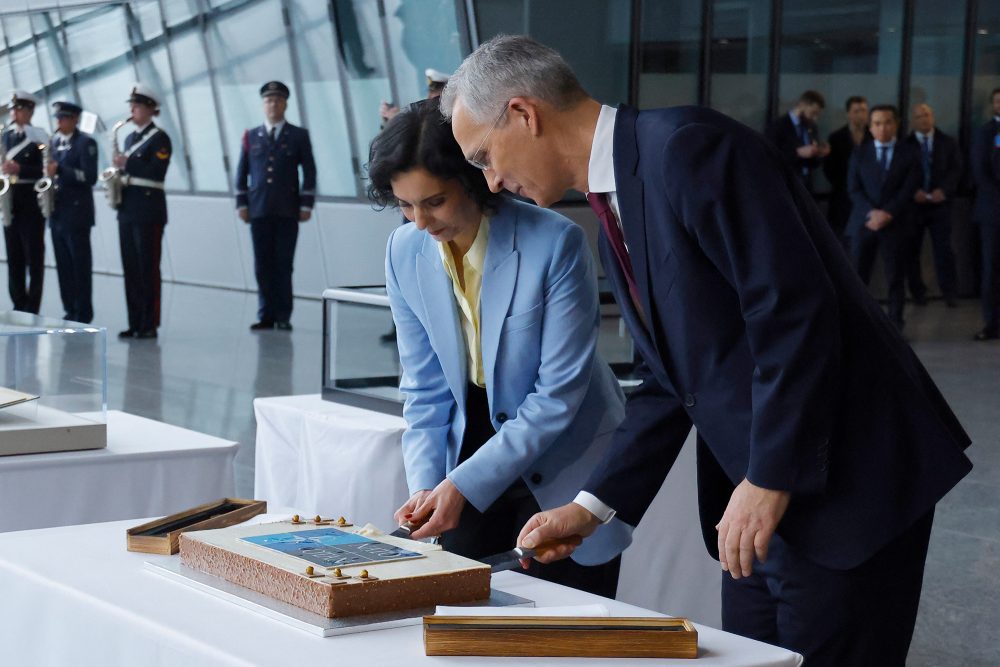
(309, 278)
(353, 238)
(106, 234)
(201, 240)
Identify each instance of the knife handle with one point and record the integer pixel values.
(550, 545)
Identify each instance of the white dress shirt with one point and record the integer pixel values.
(278, 127)
(930, 139)
(891, 147)
(601, 179)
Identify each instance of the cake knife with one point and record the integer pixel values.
(509, 560)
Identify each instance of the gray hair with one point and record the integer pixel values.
(509, 66)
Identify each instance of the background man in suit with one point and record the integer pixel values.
(823, 445)
(797, 138)
(73, 168)
(268, 197)
(24, 232)
(883, 178)
(986, 213)
(940, 163)
(842, 144)
(142, 214)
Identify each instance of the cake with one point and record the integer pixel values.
(335, 569)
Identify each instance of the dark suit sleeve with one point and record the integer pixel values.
(983, 171)
(308, 193)
(855, 186)
(953, 171)
(151, 161)
(760, 244)
(83, 169)
(243, 172)
(643, 450)
(902, 199)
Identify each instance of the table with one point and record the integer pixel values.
(148, 469)
(332, 459)
(74, 595)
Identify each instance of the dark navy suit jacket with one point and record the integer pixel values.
(946, 163)
(986, 172)
(870, 187)
(762, 336)
(150, 161)
(271, 170)
(75, 181)
(785, 136)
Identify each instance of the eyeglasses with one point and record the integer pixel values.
(477, 158)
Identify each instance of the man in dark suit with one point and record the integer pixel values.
(797, 138)
(823, 445)
(142, 214)
(986, 214)
(842, 144)
(23, 224)
(883, 177)
(940, 163)
(269, 198)
(73, 169)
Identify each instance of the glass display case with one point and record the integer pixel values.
(53, 386)
(361, 362)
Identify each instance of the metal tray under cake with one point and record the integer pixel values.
(306, 620)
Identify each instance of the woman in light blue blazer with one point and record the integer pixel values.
(508, 405)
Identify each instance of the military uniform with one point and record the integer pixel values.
(25, 235)
(72, 217)
(142, 216)
(267, 185)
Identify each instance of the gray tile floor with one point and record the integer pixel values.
(206, 368)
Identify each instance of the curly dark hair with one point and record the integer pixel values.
(421, 137)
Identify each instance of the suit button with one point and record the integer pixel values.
(536, 478)
(270, 180)
(270, 168)
(501, 417)
(689, 400)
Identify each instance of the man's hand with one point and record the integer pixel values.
(11, 167)
(51, 167)
(878, 219)
(566, 521)
(305, 214)
(921, 197)
(747, 526)
(119, 161)
(937, 196)
(823, 149)
(808, 151)
(438, 512)
(244, 214)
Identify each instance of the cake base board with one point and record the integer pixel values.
(304, 620)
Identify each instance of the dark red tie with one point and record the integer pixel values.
(599, 202)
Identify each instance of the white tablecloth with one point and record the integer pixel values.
(148, 469)
(332, 459)
(75, 596)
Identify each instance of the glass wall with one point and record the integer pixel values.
(670, 54)
(740, 59)
(937, 60)
(986, 72)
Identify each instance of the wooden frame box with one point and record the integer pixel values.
(162, 536)
(549, 637)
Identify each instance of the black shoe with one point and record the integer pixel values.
(388, 337)
(128, 333)
(987, 334)
(262, 325)
(149, 333)
(284, 326)
(920, 300)
(951, 302)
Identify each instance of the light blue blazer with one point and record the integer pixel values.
(553, 401)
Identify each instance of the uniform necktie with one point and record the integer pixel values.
(609, 223)
(925, 162)
(272, 133)
(883, 157)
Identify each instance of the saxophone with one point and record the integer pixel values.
(45, 187)
(112, 176)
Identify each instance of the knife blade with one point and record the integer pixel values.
(508, 560)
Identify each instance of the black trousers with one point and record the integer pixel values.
(858, 617)
(936, 219)
(891, 244)
(74, 265)
(989, 238)
(274, 242)
(25, 240)
(481, 534)
(141, 243)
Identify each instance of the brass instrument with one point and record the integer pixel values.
(45, 187)
(112, 176)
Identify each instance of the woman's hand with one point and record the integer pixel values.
(438, 512)
(405, 513)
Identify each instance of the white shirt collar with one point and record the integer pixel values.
(601, 170)
(929, 135)
(64, 137)
(140, 130)
(890, 144)
(278, 127)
